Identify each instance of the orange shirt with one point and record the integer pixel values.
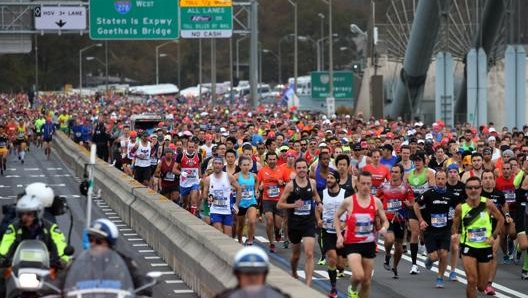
(287, 173)
(270, 180)
(379, 174)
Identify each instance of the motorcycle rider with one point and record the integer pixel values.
(103, 232)
(30, 224)
(251, 267)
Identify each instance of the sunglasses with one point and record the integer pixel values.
(26, 213)
(473, 187)
(95, 240)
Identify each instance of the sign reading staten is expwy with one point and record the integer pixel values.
(134, 20)
(206, 18)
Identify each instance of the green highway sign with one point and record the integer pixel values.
(134, 20)
(213, 21)
(343, 85)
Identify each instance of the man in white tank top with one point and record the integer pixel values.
(142, 162)
(217, 192)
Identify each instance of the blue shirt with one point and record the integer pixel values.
(48, 129)
(389, 162)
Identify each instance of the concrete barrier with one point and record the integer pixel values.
(200, 254)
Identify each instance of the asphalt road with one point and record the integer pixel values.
(63, 181)
(507, 284)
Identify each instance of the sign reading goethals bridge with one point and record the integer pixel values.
(134, 20)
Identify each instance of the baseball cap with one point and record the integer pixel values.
(491, 138)
(291, 153)
(133, 133)
(452, 166)
(421, 141)
(167, 138)
(284, 148)
(429, 136)
(357, 147)
(508, 153)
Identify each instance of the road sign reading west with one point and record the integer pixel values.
(343, 85)
(206, 18)
(60, 17)
(134, 20)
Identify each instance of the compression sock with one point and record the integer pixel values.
(22, 154)
(525, 267)
(414, 252)
(332, 274)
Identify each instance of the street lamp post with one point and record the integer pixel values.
(91, 58)
(295, 45)
(158, 55)
(320, 46)
(80, 64)
(330, 50)
(238, 56)
(266, 51)
(320, 60)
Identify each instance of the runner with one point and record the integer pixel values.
(4, 151)
(432, 210)
(457, 189)
(476, 167)
(188, 164)
(395, 196)
(39, 122)
(359, 241)
(380, 173)
(247, 205)
(477, 236)
(166, 171)
(21, 140)
(218, 187)
(141, 153)
(48, 129)
(300, 198)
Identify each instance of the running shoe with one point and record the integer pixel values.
(395, 273)
(341, 273)
(333, 293)
(453, 276)
(404, 248)
(248, 243)
(439, 283)
(286, 243)
(489, 290)
(272, 248)
(524, 274)
(278, 236)
(414, 269)
(352, 294)
(506, 260)
(2, 171)
(387, 266)
(422, 250)
(22, 161)
(322, 261)
(428, 263)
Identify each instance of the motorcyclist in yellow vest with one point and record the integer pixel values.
(477, 237)
(30, 224)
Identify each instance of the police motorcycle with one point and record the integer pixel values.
(100, 272)
(30, 274)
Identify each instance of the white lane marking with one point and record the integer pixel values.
(167, 272)
(140, 244)
(261, 239)
(5, 186)
(106, 209)
(58, 185)
(174, 281)
(125, 229)
(54, 169)
(120, 224)
(113, 217)
(183, 291)
(130, 234)
(116, 220)
(301, 274)
(135, 239)
(158, 264)
(12, 176)
(33, 169)
(36, 176)
(110, 213)
(62, 175)
(146, 250)
(152, 258)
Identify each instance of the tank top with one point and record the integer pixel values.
(189, 165)
(320, 181)
(331, 204)
(304, 215)
(3, 141)
(348, 186)
(169, 178)
(143, 155)
(129, 147)
(360, 223)
(362, 162)
(154, 155)
(247, 186)
(419, 182)
(220, 190)
(477, 233)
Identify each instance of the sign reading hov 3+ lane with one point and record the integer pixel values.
(60, 17)
(206, 18)
(134, 19)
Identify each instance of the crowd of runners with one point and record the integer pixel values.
(341, 184)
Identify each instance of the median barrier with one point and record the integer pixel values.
(200, 254)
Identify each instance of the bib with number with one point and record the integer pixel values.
(393, 205)
(364, 228)
(247, 194)
(170, 176)
(219, 199)
(438, 220)
(273, 191)
(477, 235)
(509, 196)
(328, 225)
(304, 209)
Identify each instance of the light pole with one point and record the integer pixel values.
(330, 51)
(238, 56)
(91, 58)
(266, 51)
(356, 30)
(295, 45)
(158, 55)
(320, 63)
(80, 64)
(320, 46)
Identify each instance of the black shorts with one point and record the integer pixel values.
(38, 134)
(411, 213)
(366, 250)
(142, 174)
(398, 228)
(329, 243)
(436, 240)
(47, 139)
(152, 170)
(242, 211)
(520, 221)
(296, 233)
(271, 206)
(166, 191)
(483, 255)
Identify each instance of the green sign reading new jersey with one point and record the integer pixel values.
(134, 19)
(343, 85)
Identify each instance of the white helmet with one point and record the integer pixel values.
(42, 191)
(251, 259)
(29, 203)
(103, 227)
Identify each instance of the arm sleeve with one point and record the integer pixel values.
(518, 179)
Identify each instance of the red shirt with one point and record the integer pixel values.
(360, 223)
(393, 197)
(380, 174)
(507, 187)
(270, 180)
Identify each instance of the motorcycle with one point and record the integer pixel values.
(30, 274)
(100, 272)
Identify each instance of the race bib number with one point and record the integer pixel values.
(170, 176)
(273, 191)
(304, 209)
(246, 195)
(394, 205)
(78, 134)
(373, 190)
(510, 197)
(3, 144)
(451, 213)
(219, 200)
(477, 235)
(364, 228)
(328, 225)
(192, 173)
(439, 220)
